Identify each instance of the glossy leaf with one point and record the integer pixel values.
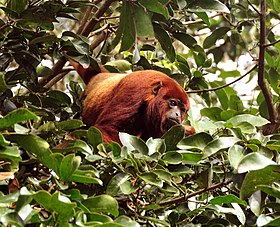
(143, 22)
(17, 116)
(217, 145)
(173, 136)
(217, 34)
(155, 6)
(207, 6)
(254, 178)
(253, 120)
(151, 178)
(253, 161)
(197, 141)
(134, 143)
(102, 203)
(165, 42)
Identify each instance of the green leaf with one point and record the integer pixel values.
(58, 203)
(44, 39)
(69, 124)
(270, 190)
(222, 95)
(127, 27)
(163, 175)
(274, 145)
(3, 141)
(11, 153)
(165, 42)
(151, 178)
(257, 121)
(94, 136)
(190, 158)
(102, 203)
(213, 113)
(43, 71)
(254, 161)
(116, 182)
(216, 34)
(235, 103)
(86, 174)
(268, 220)
(227, 199)
(172, 157)
(196, 141)
(121, 65)
(60, 96)
(254, 178)
(69, 165)
(185, 38)
(80, 177)
(143, 22)
(134, 143)
(217, 145)
(37, 146)
(203, 16)
(235, 155)
(199, 60)
(156, 146)
(3, 85)
(97, 217)
(17, 6)
(173, 136)
(155, 6)
(126, 221)
(227, 74)
(17, 116)
(207, 6)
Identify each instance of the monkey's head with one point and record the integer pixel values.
(167, 108)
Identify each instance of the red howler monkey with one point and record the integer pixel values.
(142, 103)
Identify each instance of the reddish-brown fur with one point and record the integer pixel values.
(135, 103)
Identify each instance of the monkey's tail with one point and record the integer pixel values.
(87, 73)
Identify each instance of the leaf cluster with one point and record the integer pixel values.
(54, 171)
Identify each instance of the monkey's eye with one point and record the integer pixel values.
(173, 102)
(183, 109)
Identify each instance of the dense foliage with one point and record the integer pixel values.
(56, 172)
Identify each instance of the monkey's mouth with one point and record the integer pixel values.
(169, 122)
(174, 121)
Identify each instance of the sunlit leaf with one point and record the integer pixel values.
(218, 145)
(208, 6)
(253, 161)
(264, 176)
(17, 116)
(102, 203)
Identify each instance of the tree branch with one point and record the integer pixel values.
(261, 72)
(91, 24)
(85, 32)
(225, 85)
(186, 197)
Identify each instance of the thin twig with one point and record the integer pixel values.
(184, 198)
(225, 85)
(200, 20)
(272, 44)
(254, 8)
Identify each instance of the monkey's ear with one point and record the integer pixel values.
(156, 86)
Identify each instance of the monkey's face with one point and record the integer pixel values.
(175, 113)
